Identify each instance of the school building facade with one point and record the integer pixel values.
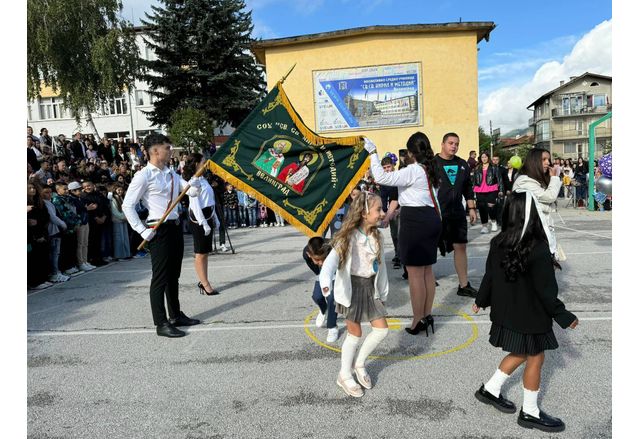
(383, 82)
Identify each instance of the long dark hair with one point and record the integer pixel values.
(532, 167)
(516, 250)
(420, 146)
(191, 165)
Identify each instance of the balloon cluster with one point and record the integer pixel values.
(515, 162)
(393, 157)
(603, 183)
(605, 165)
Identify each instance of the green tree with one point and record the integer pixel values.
(203, 60)
(190, 129)
(83, 50)
(484, 140)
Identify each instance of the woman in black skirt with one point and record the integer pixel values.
(520, 287)
(421, 222)
(202, 218)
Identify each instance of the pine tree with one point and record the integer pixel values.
(203, 60)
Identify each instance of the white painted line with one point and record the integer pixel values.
(581, 231)
(249, 328)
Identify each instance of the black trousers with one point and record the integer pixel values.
(68, 253)
(94, 252)
(167, 248)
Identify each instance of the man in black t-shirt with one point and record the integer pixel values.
(455, 182)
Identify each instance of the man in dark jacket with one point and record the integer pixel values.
(506, 186)
(455, 182)
(78, 148)
(97, 221)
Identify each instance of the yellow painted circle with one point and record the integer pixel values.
(394, 324)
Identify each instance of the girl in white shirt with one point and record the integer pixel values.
(361, 287)
(420, 223)
(202, 219)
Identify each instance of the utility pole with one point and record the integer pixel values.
(491, 136)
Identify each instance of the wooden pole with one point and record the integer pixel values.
(203, 168)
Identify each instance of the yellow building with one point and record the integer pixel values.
(367, 81)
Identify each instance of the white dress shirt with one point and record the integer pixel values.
(413, 189)
(206, 198)
(152, 185)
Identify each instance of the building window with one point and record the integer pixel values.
(594, 84)
(114, 106)
(570, 148)
(599, 100)
(51, 108)
(141, 97)
(580, 127)
(542, 131)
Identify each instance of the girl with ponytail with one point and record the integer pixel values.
(420, 222)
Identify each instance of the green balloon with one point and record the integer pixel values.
(515, 162)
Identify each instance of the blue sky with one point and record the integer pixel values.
(534, 46)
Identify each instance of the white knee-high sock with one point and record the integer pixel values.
(372, 341)
(530, 402)
(349, 347)
(494, 385)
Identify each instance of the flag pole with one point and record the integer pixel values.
(290, 70)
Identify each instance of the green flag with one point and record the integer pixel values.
(274, 157)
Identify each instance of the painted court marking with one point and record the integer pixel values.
(394, 326)
(222, 327)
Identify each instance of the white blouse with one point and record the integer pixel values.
(206, 198)
(413, 189)
(363, 254)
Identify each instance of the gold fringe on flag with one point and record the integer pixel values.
(291, 219)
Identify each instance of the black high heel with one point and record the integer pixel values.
(415, 331)
(204, 291)
(428, 321)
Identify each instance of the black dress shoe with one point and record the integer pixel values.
(183, 320)
(168, 330)
(501, 403)
(468, 291)
(545, 422)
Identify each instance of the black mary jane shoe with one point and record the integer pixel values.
(545, 422)
(500, 403)
(168, 330)
(183, 320)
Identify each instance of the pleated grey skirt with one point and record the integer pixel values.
(364, 307)
(523, 344)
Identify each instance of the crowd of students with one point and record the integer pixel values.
(75, 190)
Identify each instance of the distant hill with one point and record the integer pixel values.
(518, 132)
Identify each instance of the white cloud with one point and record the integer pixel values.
(506, 107)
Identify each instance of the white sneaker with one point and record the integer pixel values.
(332, 335)
(86, 267)
(224, 248)
(56, 278)
(91, 266)
(494, 226)
(70, 271)
(484, 230)
(42, 286)
(321, 320)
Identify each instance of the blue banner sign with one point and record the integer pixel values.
(367, 97)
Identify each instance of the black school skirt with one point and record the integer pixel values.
(518, 343)
(418, 236)
(202, 244)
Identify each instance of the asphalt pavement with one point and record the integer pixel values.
(259, 368)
